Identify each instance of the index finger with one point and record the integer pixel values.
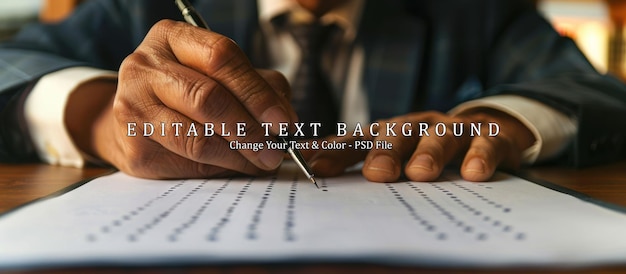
(219, 58)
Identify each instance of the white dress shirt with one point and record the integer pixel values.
(45, 106)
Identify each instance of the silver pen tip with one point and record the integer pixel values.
(314, 182)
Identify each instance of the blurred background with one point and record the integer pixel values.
(597, 26)
(14, 14)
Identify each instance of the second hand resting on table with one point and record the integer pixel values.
(181, 73)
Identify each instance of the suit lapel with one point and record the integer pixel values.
(394, 43)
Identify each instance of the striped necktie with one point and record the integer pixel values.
(312, 95)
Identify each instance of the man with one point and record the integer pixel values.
(495, 61)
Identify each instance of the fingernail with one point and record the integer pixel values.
(271, 158)
(476, 165)
(382, 163)
(275, 114)
(423, 161)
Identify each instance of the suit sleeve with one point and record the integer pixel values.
(92, 36)
(542, 65)
(99, 34)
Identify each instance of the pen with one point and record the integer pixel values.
(192, 17)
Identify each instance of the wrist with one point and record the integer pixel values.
(86, 115)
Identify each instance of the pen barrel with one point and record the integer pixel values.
(194, 19)
(190, 15)
(297, 157)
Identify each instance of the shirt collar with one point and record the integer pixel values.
(347, 16)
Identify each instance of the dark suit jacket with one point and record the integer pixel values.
(419, 55)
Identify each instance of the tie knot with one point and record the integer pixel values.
(311, 37)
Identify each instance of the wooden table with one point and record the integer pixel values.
(20, 184)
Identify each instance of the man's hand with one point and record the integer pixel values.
(184, 74)
(423, 158)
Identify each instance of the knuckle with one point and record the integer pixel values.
(159, 35)
(129, 110)
(223, 52)
(193, 147)
(433, 115)
(434, 147)
(206, 97)
(253, 95)
(254, 131)
(493, 143)
(482, 150)
(162, 27)
(138, 67)
(478, 115)
(453, 139)
(199, 93)
(156, 44)
(122, 109)
(132, 65)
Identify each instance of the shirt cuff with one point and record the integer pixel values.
(552, 129)
(44, 111)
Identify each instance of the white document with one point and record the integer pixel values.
(118, 219)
